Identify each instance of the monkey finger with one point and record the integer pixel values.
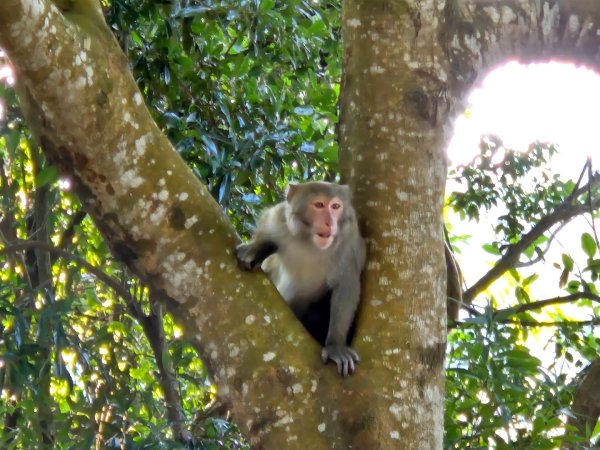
(344, 368)
(354, 356)
(245, 258)
(350, 354)
(331, 354)
(351, 366)
(324, 355)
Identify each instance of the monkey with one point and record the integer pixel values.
(311, 248)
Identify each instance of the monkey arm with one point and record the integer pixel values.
(269, 234)
(344, 301)
(252, 254)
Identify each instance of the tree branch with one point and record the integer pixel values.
(547, 302)
(543, 252)
(563, 212)
(160, 220)
(154, 329)
(67, 235)
(536, 324)
(109, 281)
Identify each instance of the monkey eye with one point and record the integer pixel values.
(336, 206)
(319, 205)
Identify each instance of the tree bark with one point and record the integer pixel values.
(393, 155)
(478, 36)
(586, 405)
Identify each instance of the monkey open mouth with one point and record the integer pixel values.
(323, 240)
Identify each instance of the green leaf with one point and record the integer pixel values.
(267, 5)
(304, 110)
(64, 406)
(522, 359)
(330, 153)
(476, 319)
(318, 27)
(492, 249)
(588, 244)
(522, 295)
(530, 279)
(47, 175)
(12, 141)
(596, 431)
(135, 37)
(567, 262)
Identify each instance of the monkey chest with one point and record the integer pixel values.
(301, 277)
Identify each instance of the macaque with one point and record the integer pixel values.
(311, 248)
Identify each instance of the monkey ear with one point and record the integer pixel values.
(292, 189)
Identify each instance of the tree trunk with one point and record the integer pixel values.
(586, 405)
(393, 155)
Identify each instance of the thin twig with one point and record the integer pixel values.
(548, 302)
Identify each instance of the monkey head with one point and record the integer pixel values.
(318, 211)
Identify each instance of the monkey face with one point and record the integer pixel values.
(317, 211)
(323, 215)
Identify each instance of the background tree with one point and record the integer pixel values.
(246, 92)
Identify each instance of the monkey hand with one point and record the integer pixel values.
(345, 357)
(252, 254)
(245, 256)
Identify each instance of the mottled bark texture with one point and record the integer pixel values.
(392, 152)
(407, 65)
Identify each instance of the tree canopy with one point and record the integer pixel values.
(112, 284)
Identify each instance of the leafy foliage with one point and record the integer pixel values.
(518, 182)
(246, 90)
(499, 395)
